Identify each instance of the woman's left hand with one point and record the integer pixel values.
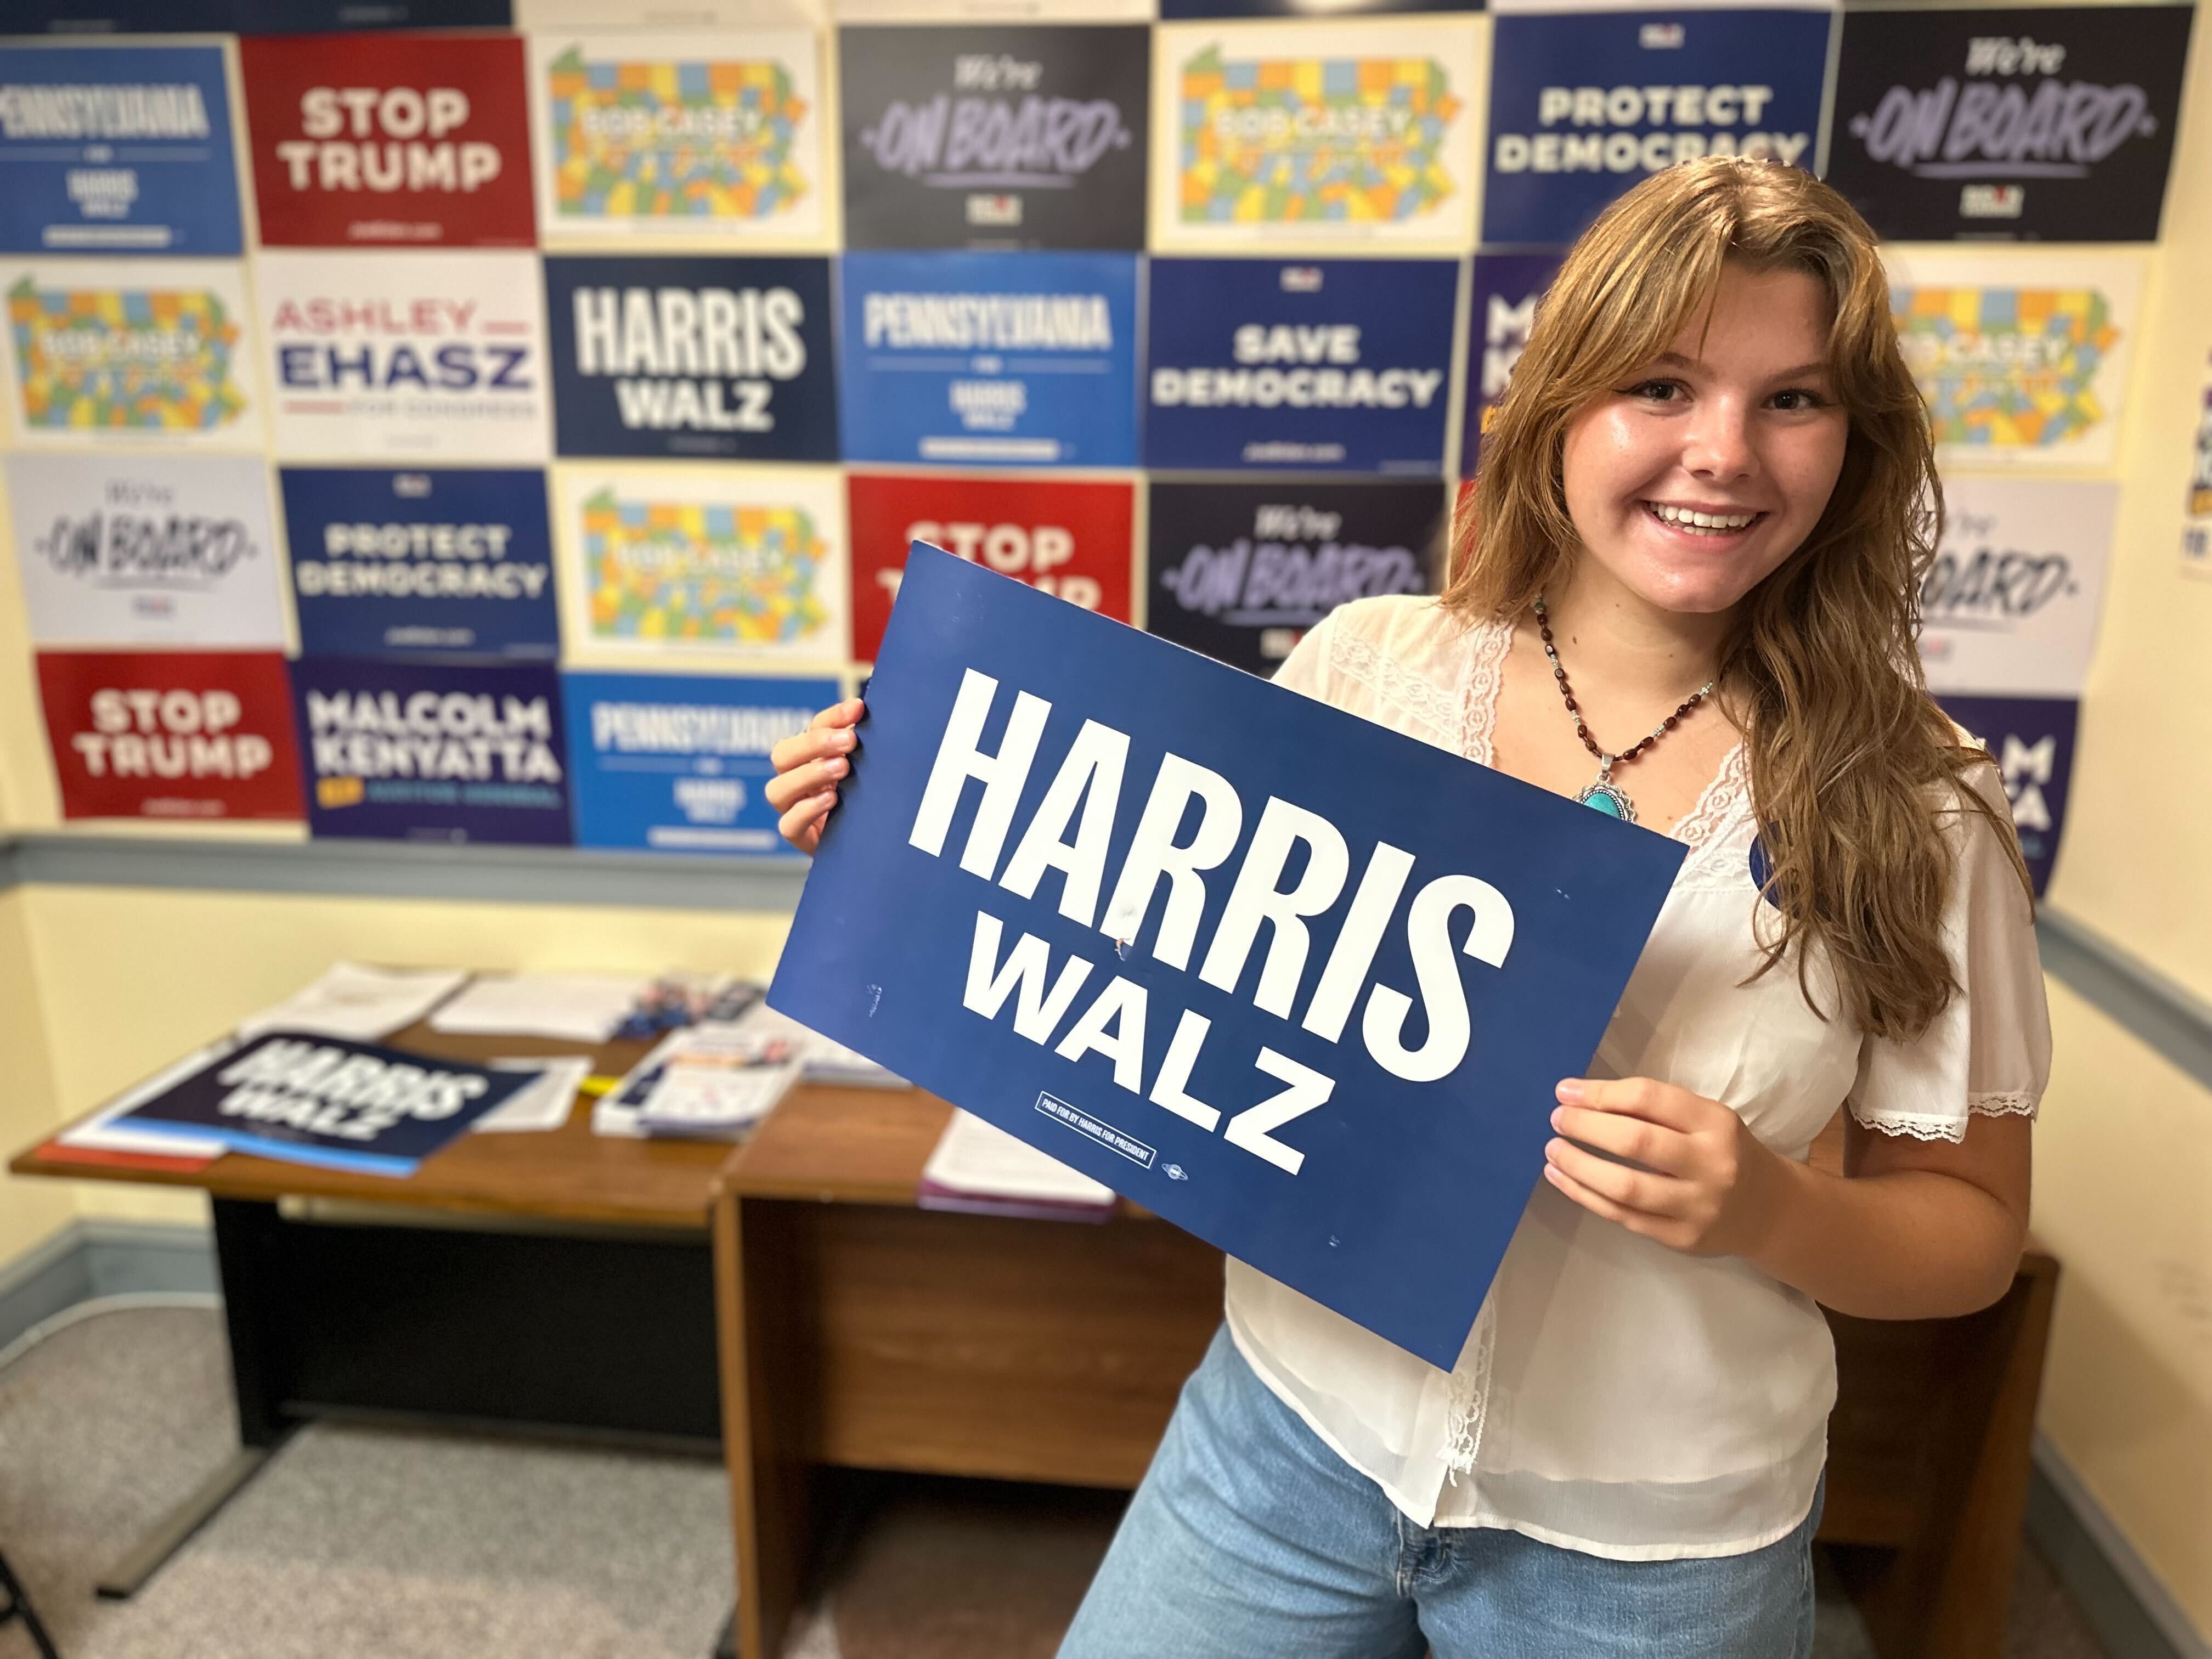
(1708, 1187)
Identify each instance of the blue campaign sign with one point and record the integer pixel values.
(1342, 365)
(675, 763)
(323, 1100)
(2032, 739)
(1301, 984)
(426, 751)
(116, 149)
(706, 358)
(1585, 104)
(989, 359)
(450, 562)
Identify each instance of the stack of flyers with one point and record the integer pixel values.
(706, 1082)
(821, 1060)
(979, 1167)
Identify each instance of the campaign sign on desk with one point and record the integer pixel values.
(328, 1102)
(433, 751)
(1342, 364)
(1301, 984)
(713, 359)
(988, 359)
(116, 149)
(433, 559)
(1583, 105)
(675, 763)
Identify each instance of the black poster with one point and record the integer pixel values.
(1240, 571)
(2041, 122)
(714, 358)
(995, 137)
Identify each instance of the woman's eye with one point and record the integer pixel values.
(1797, 400)
(1657, 392)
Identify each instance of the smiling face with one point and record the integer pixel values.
(1699, 472)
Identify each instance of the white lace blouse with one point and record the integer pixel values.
(1616, 1396)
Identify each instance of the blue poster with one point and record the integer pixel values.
(989, 359)
(452, 564)
(1332, 365)
(1299, 983)
(425, 750)
(116, 149)
(1584, 105)
(707, 358)
(2032, 739)
(328, 1102)
(675, 763)
(1500, 312)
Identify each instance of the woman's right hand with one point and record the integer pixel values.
(809, 767)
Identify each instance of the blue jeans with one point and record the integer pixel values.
(1250, 1539)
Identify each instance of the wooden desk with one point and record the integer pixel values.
(559, 1281)
(859, 1331)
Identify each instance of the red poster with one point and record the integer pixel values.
(389, 140)
(155, 734)
(1070, 539)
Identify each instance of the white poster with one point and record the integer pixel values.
(147, 549)
(1310, 137)
(130, 351)
(433, 355)
(681, 137)
(702, 563)
(2023, 359)
(2010, 607)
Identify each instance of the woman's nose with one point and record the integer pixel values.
(1719, 444)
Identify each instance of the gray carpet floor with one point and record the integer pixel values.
(360, 1543)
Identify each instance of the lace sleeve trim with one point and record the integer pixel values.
(1930, 1125)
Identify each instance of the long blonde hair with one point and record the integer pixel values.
(1853, 767)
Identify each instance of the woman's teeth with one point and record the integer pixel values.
(1705, 524)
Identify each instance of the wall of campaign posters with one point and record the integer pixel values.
(512, 338)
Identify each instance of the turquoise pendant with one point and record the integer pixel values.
(1607, 799)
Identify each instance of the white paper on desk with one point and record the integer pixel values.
(981, 1158)
(572, 1007)
(95, 1132)
(713, 1079)
(351, 1000)
(544, 1104)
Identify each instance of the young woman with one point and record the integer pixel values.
(1688, 596)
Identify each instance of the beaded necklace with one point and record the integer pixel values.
(1604, 795)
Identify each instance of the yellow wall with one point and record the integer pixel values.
(2123, 1152)
(29, 1210)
